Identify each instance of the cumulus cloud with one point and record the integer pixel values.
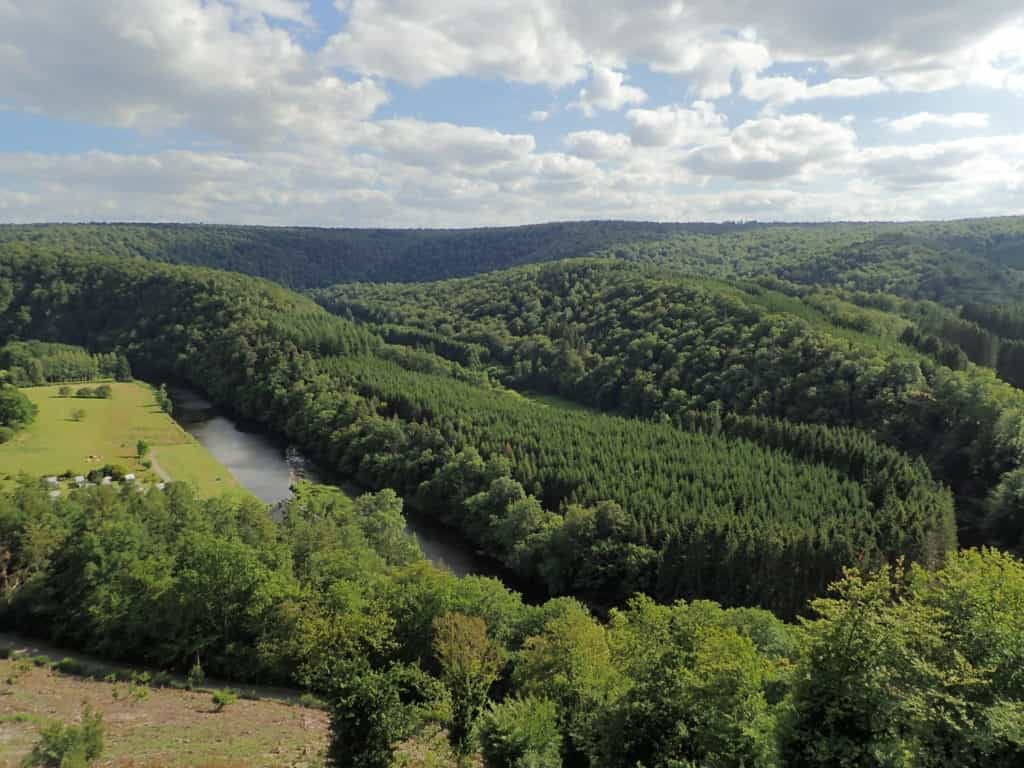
(292, 133)
(786, 90)
(675, 125)
(152, 64)
(914, 44)
(445, 145)
(775, 148)
(961, 162)
(607, 89)
(911, 123)
(597, 145)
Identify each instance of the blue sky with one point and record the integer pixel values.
(465, 113)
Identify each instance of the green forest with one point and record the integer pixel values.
(766, 483)
(952, 262)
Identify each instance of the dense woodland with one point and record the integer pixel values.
(746, 439)
(906, 667)
(577, 501)
(647, 343)
(952, 262)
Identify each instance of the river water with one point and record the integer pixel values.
(261, 464)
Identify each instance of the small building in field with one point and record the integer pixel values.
(108, 480)
(52, 481)
(161, 486)
(129, 478)
(80, 480)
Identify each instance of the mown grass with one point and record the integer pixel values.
(108, 434)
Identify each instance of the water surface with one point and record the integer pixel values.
(261, 464)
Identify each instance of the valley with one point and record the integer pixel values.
(715, 491)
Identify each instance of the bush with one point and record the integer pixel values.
(521, 733)
(196, 676)
(309, 701)
(6, 433)
(69, 746)
(70, 667)
(224, 698)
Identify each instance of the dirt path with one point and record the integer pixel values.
(164, 475)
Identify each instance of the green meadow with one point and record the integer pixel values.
(108, 433)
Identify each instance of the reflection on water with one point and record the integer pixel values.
(261, 464)
(254, 459)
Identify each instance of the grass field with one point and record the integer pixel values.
(164, 727)
(108, 434)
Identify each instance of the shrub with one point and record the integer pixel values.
(521, 733)
(70, 666)
(6, 434)
(310, 701)
(69, 746)
(224, 698)
(196, 676)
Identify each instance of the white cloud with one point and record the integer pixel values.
(290, 139)
(607, 89)
(379, 187)
(911, 123)
(914, 44)
(152, 64)
(957, 163)
(286, 10)
(597, 145)
(675, 126)
(776, 148)
(444, 145)
(786, 90)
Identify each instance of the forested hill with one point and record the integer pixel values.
(647, 342)
(979, 260)
(578, 501)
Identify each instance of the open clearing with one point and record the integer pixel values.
(108, 434)
(168, 728)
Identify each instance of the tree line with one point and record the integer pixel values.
(33, 363)
(952, 262)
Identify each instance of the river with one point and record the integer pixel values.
(261, 464)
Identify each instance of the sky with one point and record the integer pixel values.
(432, 113)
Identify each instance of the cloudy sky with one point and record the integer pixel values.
(474, 112)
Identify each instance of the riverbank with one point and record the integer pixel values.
(268, 468)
